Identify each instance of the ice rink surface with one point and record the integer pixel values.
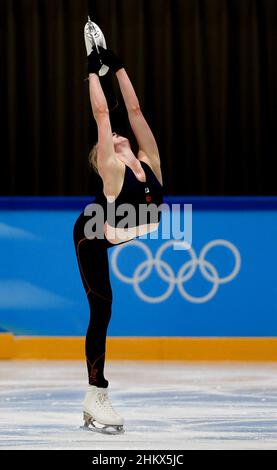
(165, 405)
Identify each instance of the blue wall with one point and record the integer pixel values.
(229, 291)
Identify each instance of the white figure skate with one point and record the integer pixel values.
(95, 38)
(99, 415)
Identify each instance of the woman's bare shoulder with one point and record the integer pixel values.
(112, 177)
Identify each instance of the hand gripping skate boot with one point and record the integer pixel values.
(99, 414)
(95, 38)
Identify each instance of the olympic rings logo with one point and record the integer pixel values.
(186, 272)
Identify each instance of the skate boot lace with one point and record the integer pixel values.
(91, 31)
(105, 403)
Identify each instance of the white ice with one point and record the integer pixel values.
(165, 405)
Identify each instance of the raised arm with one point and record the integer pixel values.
(141, 129)
(105, 152)
(145, 138)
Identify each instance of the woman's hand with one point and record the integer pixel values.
(94, 62)
(109, 58)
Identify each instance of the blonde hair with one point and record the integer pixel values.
(93, 158)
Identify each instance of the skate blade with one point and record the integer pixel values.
(94, 426)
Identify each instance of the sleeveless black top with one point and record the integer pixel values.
(138, 202)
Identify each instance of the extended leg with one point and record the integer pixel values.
(92, 257)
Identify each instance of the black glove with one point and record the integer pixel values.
(110, 59)
(94, 62)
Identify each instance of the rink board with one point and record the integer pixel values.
(142, 349)
(219, 301)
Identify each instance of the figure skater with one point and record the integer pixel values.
(127, 179)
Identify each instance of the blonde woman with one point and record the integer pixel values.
(127, 179)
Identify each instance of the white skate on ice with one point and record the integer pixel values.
(99, 415)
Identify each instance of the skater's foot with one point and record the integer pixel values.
(95, 38)
(99, 413)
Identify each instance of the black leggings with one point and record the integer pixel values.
(92, 256)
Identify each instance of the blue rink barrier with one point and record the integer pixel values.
(225, 286)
